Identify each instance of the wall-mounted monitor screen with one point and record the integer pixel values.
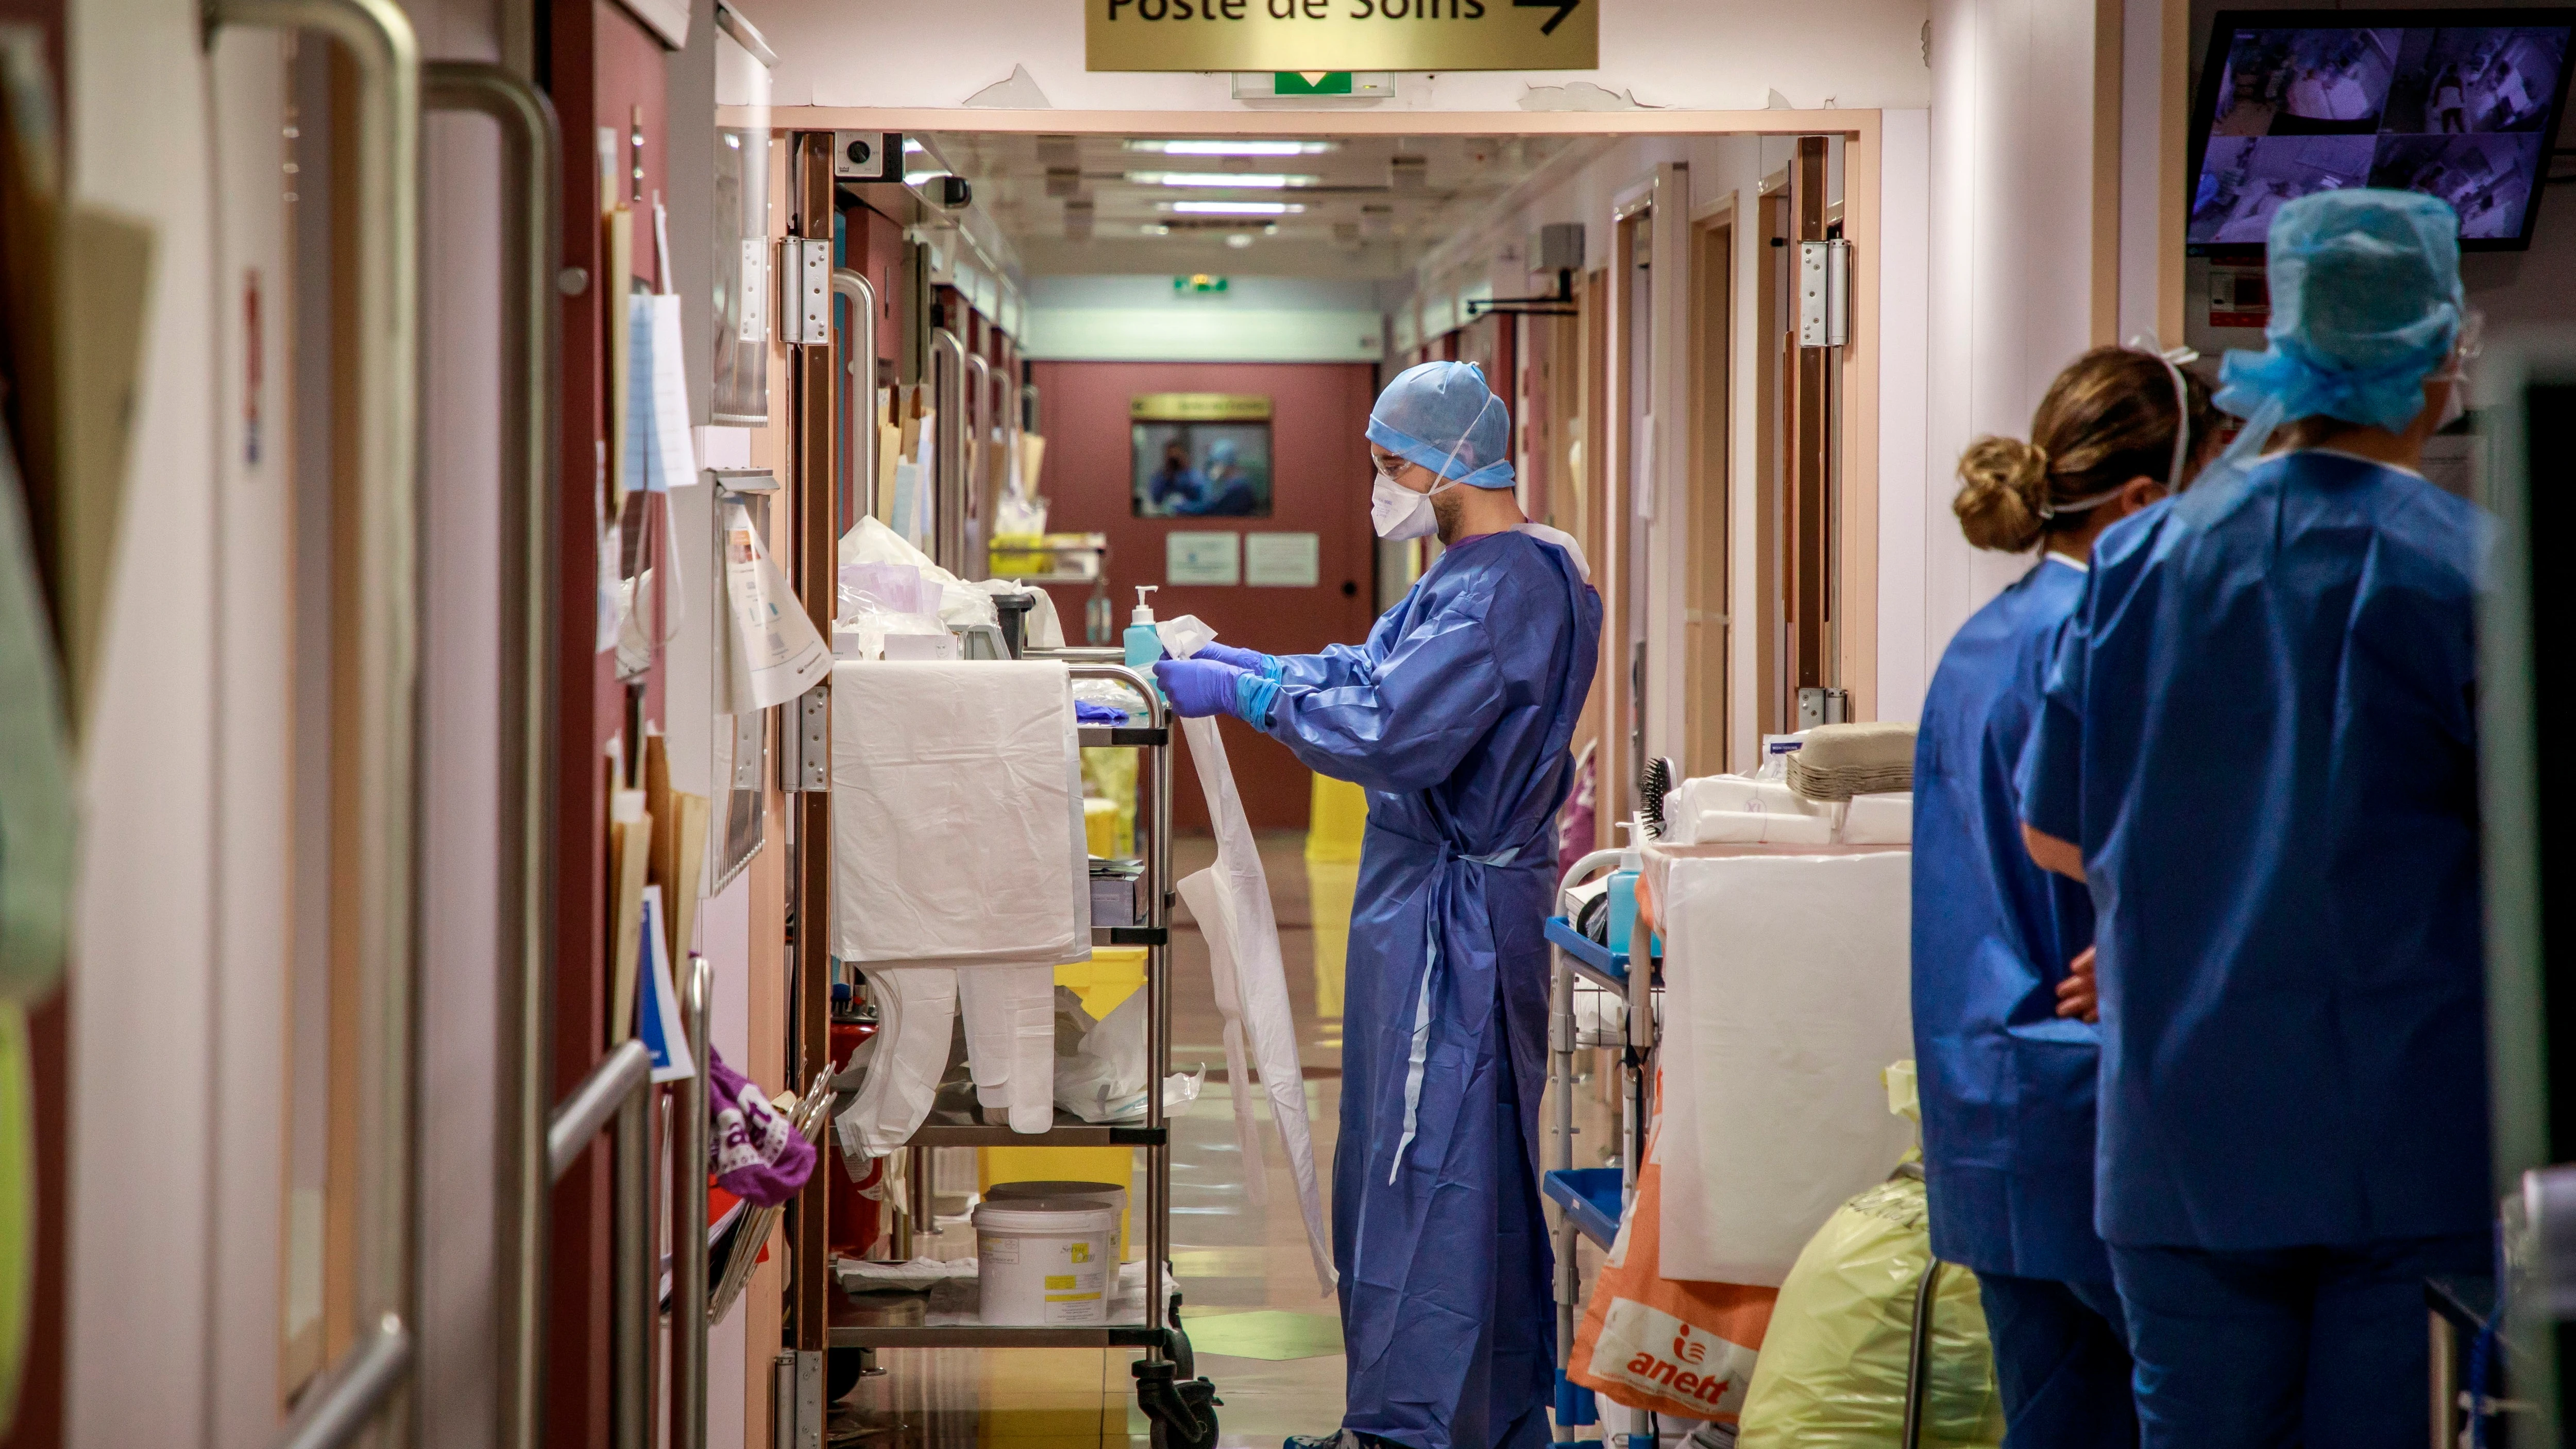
(2459, 104)
(1200, 455)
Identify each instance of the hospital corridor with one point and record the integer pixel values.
(1284, 724)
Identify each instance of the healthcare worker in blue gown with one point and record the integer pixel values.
(2001, 947)
(1455, 715)
(2259, 748)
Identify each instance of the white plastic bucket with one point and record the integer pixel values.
(1046, 1261)
(1102, 1194)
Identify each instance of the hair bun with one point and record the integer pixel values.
(2003, 488)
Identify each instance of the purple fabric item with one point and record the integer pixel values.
(760, 1157)
(1574, 823)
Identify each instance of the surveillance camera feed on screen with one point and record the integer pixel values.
(2458, 112)
(1201, 470)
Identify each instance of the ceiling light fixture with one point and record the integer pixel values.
(1233, 148)
(1246, 181)
(1235, 208)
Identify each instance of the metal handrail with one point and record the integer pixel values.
(948, 460)
(619, 1075)
(1158, 982)
(532, 186)
(860, 374)
(757, 1222)
(979, 446)
(340, 1405)
(689, 1221)
(385, 506)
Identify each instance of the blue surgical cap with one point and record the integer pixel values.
(2365, 304)
(1442, 416)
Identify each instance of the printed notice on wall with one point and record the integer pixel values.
(1202, 558)
(1280, 560)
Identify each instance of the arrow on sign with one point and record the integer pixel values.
(1563, 8)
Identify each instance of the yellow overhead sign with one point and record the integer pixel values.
(1198, 407)
(1330, 35)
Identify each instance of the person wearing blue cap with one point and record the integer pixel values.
(2005, 1055)
(1455, 714)
(2259, 749)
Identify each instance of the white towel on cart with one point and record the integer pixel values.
(1787, 991)
(957, 814)
(960, 876)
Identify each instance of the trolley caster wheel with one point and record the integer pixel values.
(842, 1370)
(1182, 1411)
(1176, 1344)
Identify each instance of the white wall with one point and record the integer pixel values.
(2010, 261)
(141, 1003)
(1913, 494)
(1256, 319)
(1698, 54)
(462, 815)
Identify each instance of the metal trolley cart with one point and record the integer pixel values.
(1174, 1399)
(1588, 1201)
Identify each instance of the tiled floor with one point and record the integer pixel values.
(1230, 1256)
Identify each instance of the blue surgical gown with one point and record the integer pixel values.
(1455, 715)
(2007, 1083)
(2261, 732)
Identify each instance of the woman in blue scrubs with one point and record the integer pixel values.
(2259, 747)
(2005, 1056)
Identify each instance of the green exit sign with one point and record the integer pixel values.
(1310, 82)
(1201, 282)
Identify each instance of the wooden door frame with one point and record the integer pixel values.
(1709, 574)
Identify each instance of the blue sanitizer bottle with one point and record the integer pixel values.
(1623, 890)
(1144, 646)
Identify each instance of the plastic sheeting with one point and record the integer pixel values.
(1231, 902)
(1833, 1368)
(1786, 992)
(959, 879)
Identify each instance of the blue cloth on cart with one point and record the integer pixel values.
(2061, 1361)
(1455, 715)
(2007, 1083)
(2262, 731)
(1086, 712)
(2313, 1346)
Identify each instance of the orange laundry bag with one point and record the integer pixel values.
(1660, 1345)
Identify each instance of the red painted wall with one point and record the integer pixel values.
(1320, 485)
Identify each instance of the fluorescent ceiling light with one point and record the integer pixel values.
(1233, 148)
(1234, 208)
(1247, 181)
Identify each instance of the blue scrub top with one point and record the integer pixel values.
(2262, 732)
(2007, 1084)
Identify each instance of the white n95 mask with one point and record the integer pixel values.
(1398, 513)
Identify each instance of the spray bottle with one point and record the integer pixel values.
(1144, 646)
(1623, 890)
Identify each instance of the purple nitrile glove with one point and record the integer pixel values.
(1244, 659)
(1198, 687)
(759, 1156)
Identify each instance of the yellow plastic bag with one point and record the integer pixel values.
(1832, 1370)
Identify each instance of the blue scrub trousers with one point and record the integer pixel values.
(2318, 1348)
(2061, 1363)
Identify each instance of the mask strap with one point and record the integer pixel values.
(2172, 358)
